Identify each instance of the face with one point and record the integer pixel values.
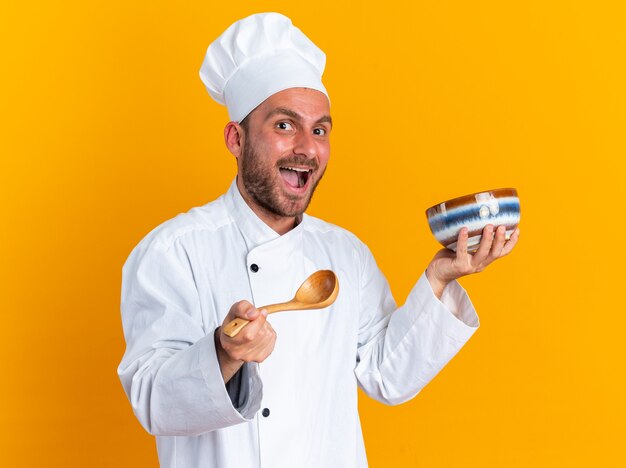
(285, 152)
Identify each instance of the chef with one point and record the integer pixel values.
(283, 392)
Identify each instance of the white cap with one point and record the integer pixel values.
(259, 56)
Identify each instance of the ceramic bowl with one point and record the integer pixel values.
(474, 211)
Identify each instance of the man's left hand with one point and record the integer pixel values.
(447, 265)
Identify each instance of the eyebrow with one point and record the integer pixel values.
(294, 115)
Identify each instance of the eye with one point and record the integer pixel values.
(320, 131)
(284, 126)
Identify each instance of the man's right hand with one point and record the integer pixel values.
(253, 343)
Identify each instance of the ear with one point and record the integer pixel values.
(233, 137)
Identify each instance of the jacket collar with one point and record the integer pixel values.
(254, 230)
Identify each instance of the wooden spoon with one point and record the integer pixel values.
(318, 291)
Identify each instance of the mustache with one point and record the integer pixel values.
(301, 161)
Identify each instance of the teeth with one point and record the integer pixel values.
(296, 169)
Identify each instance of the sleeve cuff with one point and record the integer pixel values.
(457, 301)
(422, 336)
(249, 394)
(454, 313)
(239, 388)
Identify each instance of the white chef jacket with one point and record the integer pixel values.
(182, 279)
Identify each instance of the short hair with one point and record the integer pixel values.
(245, 123)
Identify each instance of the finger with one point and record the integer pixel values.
(484, 246)
(461, 243)
(262, 346)
(266, 351)
(269, 338)
(252, 313)
(251, 330)
(240, 310)
(498, 243)
(510, 243)
(239, 317)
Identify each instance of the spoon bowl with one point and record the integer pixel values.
(316, 292)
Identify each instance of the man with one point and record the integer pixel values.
(282, 394)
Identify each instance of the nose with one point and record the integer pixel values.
(305, 145)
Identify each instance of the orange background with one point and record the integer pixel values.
(107, 131)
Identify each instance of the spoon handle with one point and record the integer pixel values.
(235, 326)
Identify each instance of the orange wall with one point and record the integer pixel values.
(107, 131)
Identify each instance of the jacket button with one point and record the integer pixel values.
(254, 267)
(266, 412)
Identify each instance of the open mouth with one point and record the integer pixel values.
(295, 177)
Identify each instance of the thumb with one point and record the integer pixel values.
(255, 324)
(252, 313)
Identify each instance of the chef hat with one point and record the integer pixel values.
(259, 56)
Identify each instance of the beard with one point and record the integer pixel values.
(264, 183)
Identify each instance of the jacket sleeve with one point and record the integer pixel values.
(170, 370)
(401, 349)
